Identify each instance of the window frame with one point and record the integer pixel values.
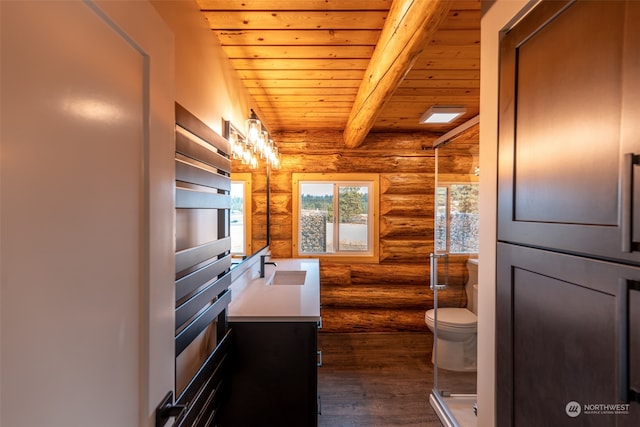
(373, 221)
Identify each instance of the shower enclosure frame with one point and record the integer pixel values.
(437, 396)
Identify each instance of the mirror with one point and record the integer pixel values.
(249, 227)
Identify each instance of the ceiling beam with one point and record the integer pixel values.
(404, 35)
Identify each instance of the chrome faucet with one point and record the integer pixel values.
(263, 263)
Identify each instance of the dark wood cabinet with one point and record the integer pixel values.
(568, 259)
(567, 332)
(274, 375)
(569, 139)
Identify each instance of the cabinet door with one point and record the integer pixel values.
(565, 338)
(275, 375)
(569, 139)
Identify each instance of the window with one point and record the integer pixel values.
(240, 214)
(457, 220)
(336, 215)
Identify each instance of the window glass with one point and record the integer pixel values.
(464, 224)
(353, 208)
(237, 218)
(457, 219)
(316, 217)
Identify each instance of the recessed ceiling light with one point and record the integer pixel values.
(442, 114)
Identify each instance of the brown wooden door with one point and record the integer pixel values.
(570, 129)
(564, 335)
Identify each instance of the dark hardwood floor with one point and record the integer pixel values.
(376, 379)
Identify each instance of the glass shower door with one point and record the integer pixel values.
(452, 278)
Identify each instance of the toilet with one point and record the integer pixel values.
(458, 329)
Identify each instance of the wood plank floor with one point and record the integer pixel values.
(376, 380)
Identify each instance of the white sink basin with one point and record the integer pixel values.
(289, 277)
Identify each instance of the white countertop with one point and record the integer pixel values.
(257, 300)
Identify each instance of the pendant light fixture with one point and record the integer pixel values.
(254, 129)
(256, 144)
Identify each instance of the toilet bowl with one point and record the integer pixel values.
(457, 336)
(457, 339)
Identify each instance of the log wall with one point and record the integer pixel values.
(394, 294)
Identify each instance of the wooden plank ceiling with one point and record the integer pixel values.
(303, 61)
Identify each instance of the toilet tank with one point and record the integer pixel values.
(471, 287)
(474, 303)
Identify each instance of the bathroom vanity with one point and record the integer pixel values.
(275, 322)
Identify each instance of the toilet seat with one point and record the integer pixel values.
(453, 319)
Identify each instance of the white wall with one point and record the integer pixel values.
(86, 214)
(499, 17)
(206, 84)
